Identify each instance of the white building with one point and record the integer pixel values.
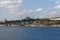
(55, 18)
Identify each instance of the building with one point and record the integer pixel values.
(55, 18)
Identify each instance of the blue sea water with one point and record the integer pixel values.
(29, 33)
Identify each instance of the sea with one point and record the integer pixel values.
(29, 33)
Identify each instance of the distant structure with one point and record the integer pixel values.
(27, 18)
(55, 18)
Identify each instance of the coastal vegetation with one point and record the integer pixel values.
(31, 22)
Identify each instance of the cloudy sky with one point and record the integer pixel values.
(19, 9)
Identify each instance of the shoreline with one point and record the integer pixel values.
(30, 26)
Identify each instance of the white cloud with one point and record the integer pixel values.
(44, 11)
(53, 12)
(14, 8)
(10, 2)
(57, 2)
(40, 9)
(57, 7)
(11, 5)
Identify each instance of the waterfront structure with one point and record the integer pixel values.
(55, 18)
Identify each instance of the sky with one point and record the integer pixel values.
(19, 9)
